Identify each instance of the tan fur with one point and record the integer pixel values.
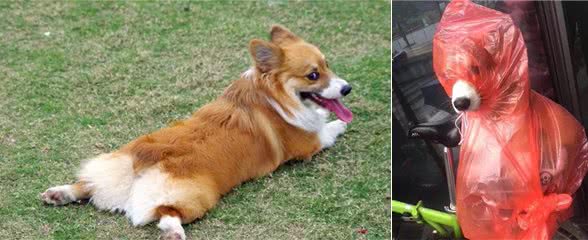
(80, 191)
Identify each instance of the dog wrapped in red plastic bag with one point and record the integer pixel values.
(522, 156)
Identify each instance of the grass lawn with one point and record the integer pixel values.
(79, 79)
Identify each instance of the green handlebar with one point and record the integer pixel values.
(435, 217)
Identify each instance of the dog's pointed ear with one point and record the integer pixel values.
(280, 35)
(267, 56)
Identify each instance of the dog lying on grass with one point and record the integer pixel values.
(276, 111)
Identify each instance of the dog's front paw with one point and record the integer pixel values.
(329, 134)
(337, 127)
(172, 235)
(57, 196)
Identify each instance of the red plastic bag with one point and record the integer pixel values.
(522, 156)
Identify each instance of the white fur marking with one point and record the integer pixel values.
(110, 176)
(116, 187)
(334, 89)
(306, 118)
(150, 190)
(323, 112)
(465, 89)
(329, 133)
(64, 194)
(249, 74)
(171, 225)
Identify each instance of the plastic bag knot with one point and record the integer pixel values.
(538, 211)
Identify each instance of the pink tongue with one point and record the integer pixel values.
(334, 105)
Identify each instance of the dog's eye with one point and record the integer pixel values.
(313, 76)
(475, 70)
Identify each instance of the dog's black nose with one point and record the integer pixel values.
(345, 90)
(461, 103)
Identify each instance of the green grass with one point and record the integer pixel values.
(109, 72)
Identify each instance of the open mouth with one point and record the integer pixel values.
(333, 105)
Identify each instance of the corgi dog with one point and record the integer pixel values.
(276, 111)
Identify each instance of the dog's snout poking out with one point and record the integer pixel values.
(465, 97)
(461, 103)
(345, 90)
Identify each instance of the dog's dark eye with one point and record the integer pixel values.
(475, 70)
(313, 76)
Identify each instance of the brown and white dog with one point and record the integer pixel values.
(276, 111)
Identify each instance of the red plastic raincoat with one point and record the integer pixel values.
(522, 155)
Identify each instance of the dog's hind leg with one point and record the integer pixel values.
(105, 180)
(188, 201)
(64, 194)
(170, 224)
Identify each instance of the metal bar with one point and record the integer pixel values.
(450, 173)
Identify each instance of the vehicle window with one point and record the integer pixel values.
(576, 19)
